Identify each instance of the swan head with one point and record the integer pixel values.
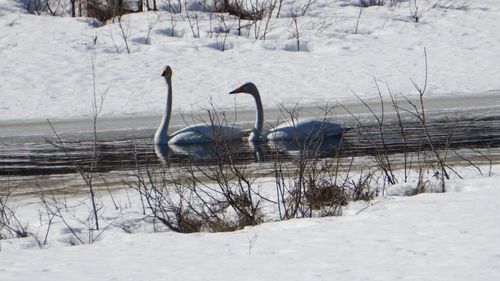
(247, 88)
(167, 72)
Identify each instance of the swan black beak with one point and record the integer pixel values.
(236, 91)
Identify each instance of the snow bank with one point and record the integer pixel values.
(442, 236)
(46, 73)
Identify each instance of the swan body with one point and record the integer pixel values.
(195, 134)
(300, 130)
(303, 129)
(198, 134)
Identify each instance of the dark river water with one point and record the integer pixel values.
(116, 151)
(34, 154)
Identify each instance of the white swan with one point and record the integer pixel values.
(196, 134)
(288, 131)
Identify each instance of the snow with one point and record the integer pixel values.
(431, 236)
(45, 72)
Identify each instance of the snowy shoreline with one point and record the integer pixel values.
(424, 237)
(48, 72)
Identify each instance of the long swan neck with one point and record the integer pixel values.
(256, 136)
(161, 136)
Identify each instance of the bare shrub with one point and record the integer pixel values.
(432, 153)
(150, 5)
(104, 10)
(188, 203)
(212, 195)
(361, 187)
(192, 18)
(295, 33)
(369, 3)
(88, 171)
(171, 31)
(11, 225)
(357, 21)
(124, 26)
(381, 149)
(253, 17)
(463, 5)
(151, 25)
(418, 110)
(124, 31)
(174, 6)
(321, 192)
(307, 184)
(66, 213)
(261, 22)
(280, 5)
(164, 200)
(245, 10)
(417, 10)
(50, 7)
(222, 31)
(310, 185)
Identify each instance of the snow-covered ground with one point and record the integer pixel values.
(45, 61)
(45, 72)
(436, 236)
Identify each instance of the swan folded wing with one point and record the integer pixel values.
(332, 129)
(204, 134)
(304, 129)
(284, 133)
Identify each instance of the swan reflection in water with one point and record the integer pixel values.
(209, 152)
(325, 146)
(246, 151)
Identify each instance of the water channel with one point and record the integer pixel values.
(30, 154)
